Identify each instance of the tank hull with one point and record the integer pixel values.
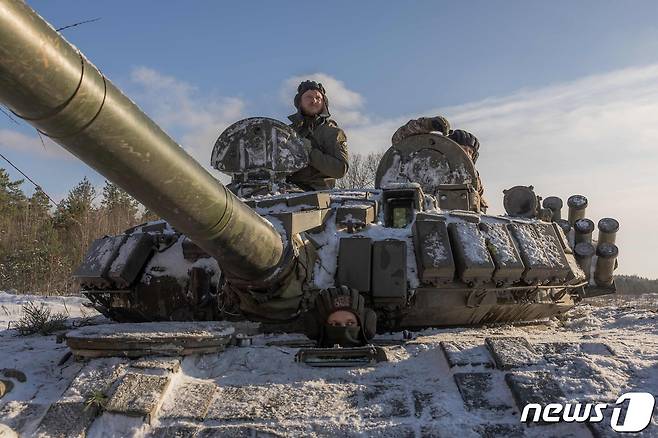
(446, 268)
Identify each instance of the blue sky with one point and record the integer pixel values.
(398, 54)
(402, 56)
(570, 85)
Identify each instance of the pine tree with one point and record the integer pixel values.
(78, 203)
(39, 205)
(40, 248)
(120, 209)
(13, 233)
(49, 272)
(12, 198)
(77, 224)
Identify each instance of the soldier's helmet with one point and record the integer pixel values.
(312, 85)
(467, 139)
(331, 300)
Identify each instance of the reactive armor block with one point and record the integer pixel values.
(541, 252)
(114, 262)
(506, 258)
(433, 252)
(474, 264)
(389, 274)
(355, 263)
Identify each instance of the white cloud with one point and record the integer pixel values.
(32, 144)
(180, 108)
(345, 105)
(595, 116)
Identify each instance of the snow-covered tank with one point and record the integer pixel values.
(415, 246)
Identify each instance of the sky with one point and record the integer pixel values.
(562, 95)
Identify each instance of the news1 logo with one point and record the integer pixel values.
(638, 412)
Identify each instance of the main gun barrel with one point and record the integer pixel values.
(51, 85)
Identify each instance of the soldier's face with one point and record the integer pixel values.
(342, 318)
(312, 103)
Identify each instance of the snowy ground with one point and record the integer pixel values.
(629, 327)
(36, 356)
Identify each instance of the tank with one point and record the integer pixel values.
(417, 245)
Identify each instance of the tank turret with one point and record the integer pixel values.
(259, 154)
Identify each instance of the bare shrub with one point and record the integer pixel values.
(361, 172)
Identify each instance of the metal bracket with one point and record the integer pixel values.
(341, 357)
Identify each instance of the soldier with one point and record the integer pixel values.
(325, 141)
(468, 142)
(341, 318)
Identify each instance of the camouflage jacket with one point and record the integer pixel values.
(425, 125)
(328, 156)
(483, 206)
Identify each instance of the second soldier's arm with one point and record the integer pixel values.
(423, 125)
(483, 202)
(332, 162)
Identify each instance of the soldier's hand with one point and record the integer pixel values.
(308, 146)
(440, 124)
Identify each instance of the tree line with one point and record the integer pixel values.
(635, 285)
(41, 244)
